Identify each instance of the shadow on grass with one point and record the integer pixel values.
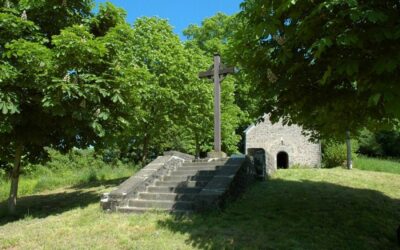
(282, 214)
(41, 206)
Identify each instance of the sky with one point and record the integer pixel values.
(180, 13)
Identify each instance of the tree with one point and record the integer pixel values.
(329, 66)
(67, 93)
(213, 36)
(51, 16)
(163, 69)
(108, 17)
(198, 101)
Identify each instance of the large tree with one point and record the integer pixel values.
(213, 36)
(330, 66)
(65, 93)
(163, 69)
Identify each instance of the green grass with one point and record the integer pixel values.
(375, 164)
(44, 179)
(296, 209)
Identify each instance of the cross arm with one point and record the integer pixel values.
(206, 74)
(226, 71)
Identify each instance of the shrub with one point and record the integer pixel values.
(74, 159)
(3, 175)
(381, 144)
(335, 153)
(92, 176)
(369, 145)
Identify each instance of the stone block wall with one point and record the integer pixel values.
(230, 181)
(275, 138)
(140, 181)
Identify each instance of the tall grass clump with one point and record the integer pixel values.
(378, 165)
(78, 166)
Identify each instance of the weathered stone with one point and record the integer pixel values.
(139, 182)
(186, 157)
(170, 184)
(216, 155)
(227, 184)
(274, 139)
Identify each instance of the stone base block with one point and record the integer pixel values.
(216, 155)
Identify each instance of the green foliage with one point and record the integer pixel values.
(109, 16)
(335, 153)
(3, 175)
(369, 144)
(159, 75)
(381, 143)
(74, 159)
(54, 15)
(390, 143)
(72, 87)
(60, 85)
(330, 66)
(71, 78)
(213, 36)
(77, 166)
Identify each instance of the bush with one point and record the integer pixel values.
(380, 144)
(369, 144)
(76, 167)
(335, 153)
(3, 175)
(74, 159)
(5, 169)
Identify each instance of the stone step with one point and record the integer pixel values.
(181, 183)
(197, 164)
(187, 178)
(167, 196)
(177, 190)
(141, 210)
(155, 204)
(202, 161)
(200, 168)
(193, 172)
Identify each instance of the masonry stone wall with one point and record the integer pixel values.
(276, 138)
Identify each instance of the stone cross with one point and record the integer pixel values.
(217, 72)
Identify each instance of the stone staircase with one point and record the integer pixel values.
(176, 183)
(176, 191)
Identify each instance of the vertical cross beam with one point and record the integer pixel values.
(217, 72)
(217, 104)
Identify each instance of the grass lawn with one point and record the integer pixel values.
(297, 209)
(45, 179)
(375, 164)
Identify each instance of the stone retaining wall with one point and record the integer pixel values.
(229, 182)
(186, 157)
(139, 182)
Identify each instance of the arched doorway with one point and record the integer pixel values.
(282, 160)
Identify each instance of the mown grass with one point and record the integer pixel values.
(296, 209)
(376, 164)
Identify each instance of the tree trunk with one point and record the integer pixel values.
(348, 145)
(145, 152)
(12, 200)
(197, 147)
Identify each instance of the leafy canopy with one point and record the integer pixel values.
(330, 66)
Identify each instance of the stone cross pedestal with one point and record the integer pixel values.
(217, 72)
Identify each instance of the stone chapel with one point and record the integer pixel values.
(278, 146)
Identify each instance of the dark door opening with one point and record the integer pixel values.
(282, 160)
(258, 157)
